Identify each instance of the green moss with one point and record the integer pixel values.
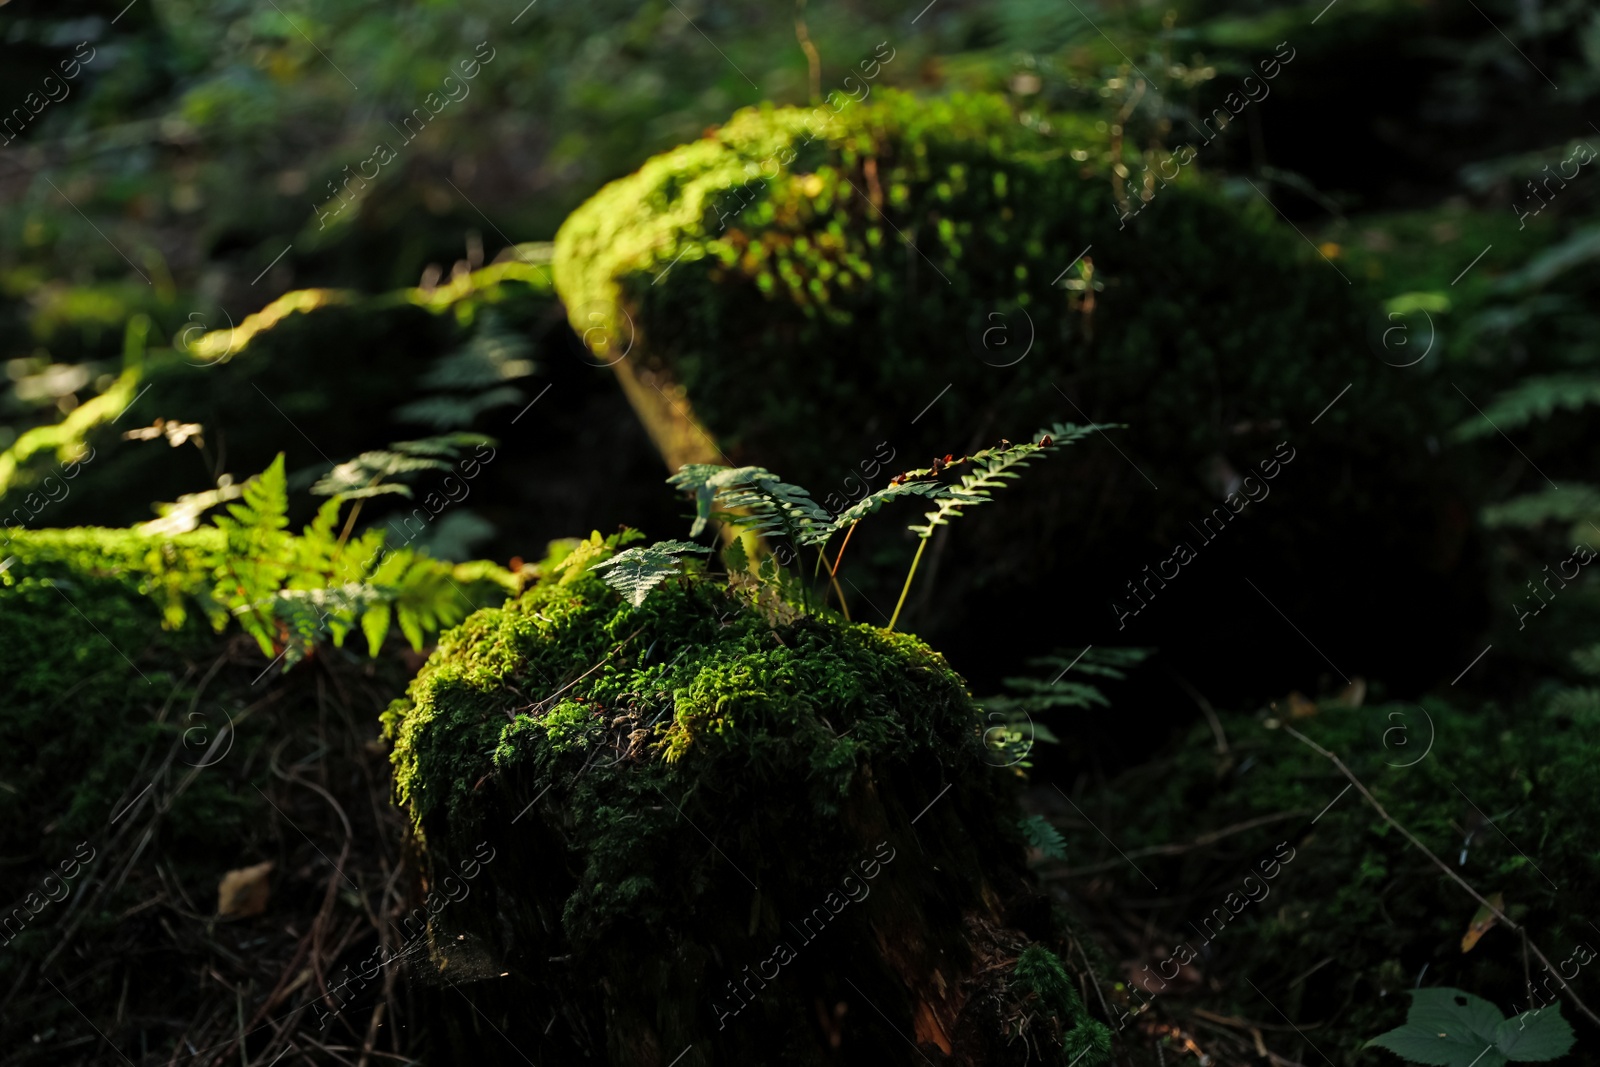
(97, 679)
(817, 694)
(1354, 890)
(882, 280)
(141, 740)
(310, 353)
(1044, 982)
(676, 787)
(1194, 298)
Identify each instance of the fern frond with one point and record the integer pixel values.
(1037, 694)
(1580, 704)
(1587, 660)
(289, 592)
(869, 504)
(321, 528)
(359, 475)
(448, 445)
(989, 473)
(576, 563)
(751, 498)
(491, 357)
(1105, 662)
(992, 469)
(1574, 503)
(696, 478)
(760, 501)
(634, 572)
(1052, 690)
(447, 409)
(264, 504)
(1040, 834)
(1532, 399)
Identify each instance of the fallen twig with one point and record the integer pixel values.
(1409, 836)
(1199, 842)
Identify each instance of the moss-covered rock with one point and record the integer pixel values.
(85, 639)
(324, 375)
(111, 716)
(934, 273)
(722, 828)
(147, 747)
(321, 373)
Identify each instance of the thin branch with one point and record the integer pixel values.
(1409, 836)
(1200, 842)
(1209, 712)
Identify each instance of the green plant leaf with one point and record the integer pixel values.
(871, 503)
(375, 625)
(634, 572)
(1453, 1028)
(1039, 834)
(993, 468)
(358, 477)
(735, 558)
(754, 499)
(1535, 1035)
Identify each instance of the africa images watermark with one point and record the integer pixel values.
(783, 954)
(1233, 905)
(416, 924)
(22, 117)
(384, 154)
(1233, 105)
(32, 904)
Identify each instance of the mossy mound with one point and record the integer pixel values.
(148, 747)
(73, 604)
(934, 273)
(320, 373)
(1350, 914)
(113, 726)
(722, 828)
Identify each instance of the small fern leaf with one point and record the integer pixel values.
(321, 528)
(1039, 834)
(992, 469)
(696, 478)
(735, 558)
(1532, 400)
(359, 475)
(634, 572)
(448, 445)
(375, 626)
(750, 498)
(1572, 503)
(265, 503)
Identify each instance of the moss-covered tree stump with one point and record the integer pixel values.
(720, 829)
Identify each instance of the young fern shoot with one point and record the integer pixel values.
(992, 468)
(755, 500)
(634, 572)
